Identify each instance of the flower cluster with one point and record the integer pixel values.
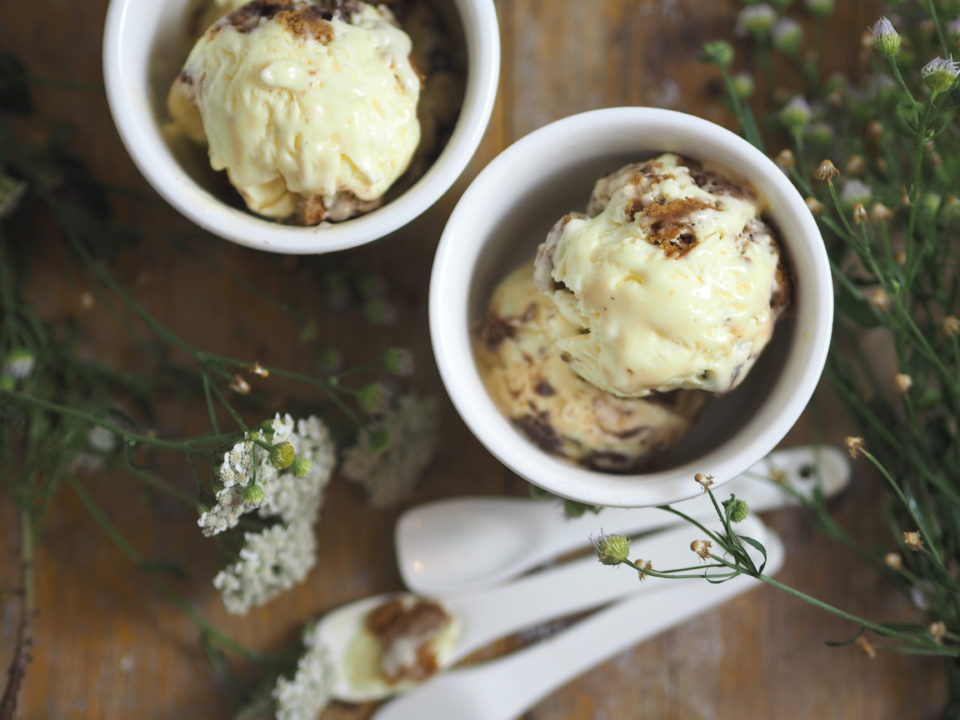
(290, 475)
(391, 453)
(307, 693)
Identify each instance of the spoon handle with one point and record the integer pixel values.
(569, 588)
(796, 464)
(504, 689)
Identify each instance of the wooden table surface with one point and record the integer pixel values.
(108, 645)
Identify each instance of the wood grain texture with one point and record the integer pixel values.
(109, 646)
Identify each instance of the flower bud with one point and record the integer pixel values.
(940, 74)
(719, 53)
(893, 561)
(814, 205)
(612, 549)
(885, 38)
(795, 115)
(928, 206)
(903, 382)
(821, 8)
(738, 509)
(756, 20)
(785, 159)
(879, 300)
(301, 466)
(398, 361)
(374, 398)
(826, 171)
(19, 364)
(254, 495)
(854, 446)
(379, 312)
(787, 36)
(742, 85)
(859, 213)
(951, 325)
(701, 548)
(880, 212)
(913, 540)
(953, 29)
(282, 455)
(819, 133)
(855, 193)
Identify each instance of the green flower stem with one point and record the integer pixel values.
(148, 478)
(713, 536)
(132, 554)
(743, 114)
(875, 627)
(193, 445)
(944, 47)
(668, 574)
(330, 388)
(903, 83)
(925, 530)
(208, 398)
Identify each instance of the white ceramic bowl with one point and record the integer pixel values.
(507, 211)
(143, 49)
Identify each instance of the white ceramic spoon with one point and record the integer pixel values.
(462, 544)
(482, 617)
(504, 689)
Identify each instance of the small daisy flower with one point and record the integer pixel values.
(855, 191)
(19, 364)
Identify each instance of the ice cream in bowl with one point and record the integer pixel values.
(301, 126)
(626, 298)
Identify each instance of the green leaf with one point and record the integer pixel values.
(758, 546)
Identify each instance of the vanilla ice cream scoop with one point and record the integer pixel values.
(530, 381)
(310, 108)
(671, 279)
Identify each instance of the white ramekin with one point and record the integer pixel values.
(507, 211)
(143, 46)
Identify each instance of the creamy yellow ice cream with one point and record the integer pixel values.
(207, 12)
(671, 280)
(531, 383)
(311, 109)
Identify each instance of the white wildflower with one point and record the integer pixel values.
(235, 471)
(271, 561)
(306, 695)
(855, 191)
(102, 440)
(885, 37)
(390, 472)
(284, 494)
(939, 74)
(298, 498)
(19, 364)
(756, 20)
(953, 28)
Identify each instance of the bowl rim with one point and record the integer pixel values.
(140, 131)
(451, 281)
